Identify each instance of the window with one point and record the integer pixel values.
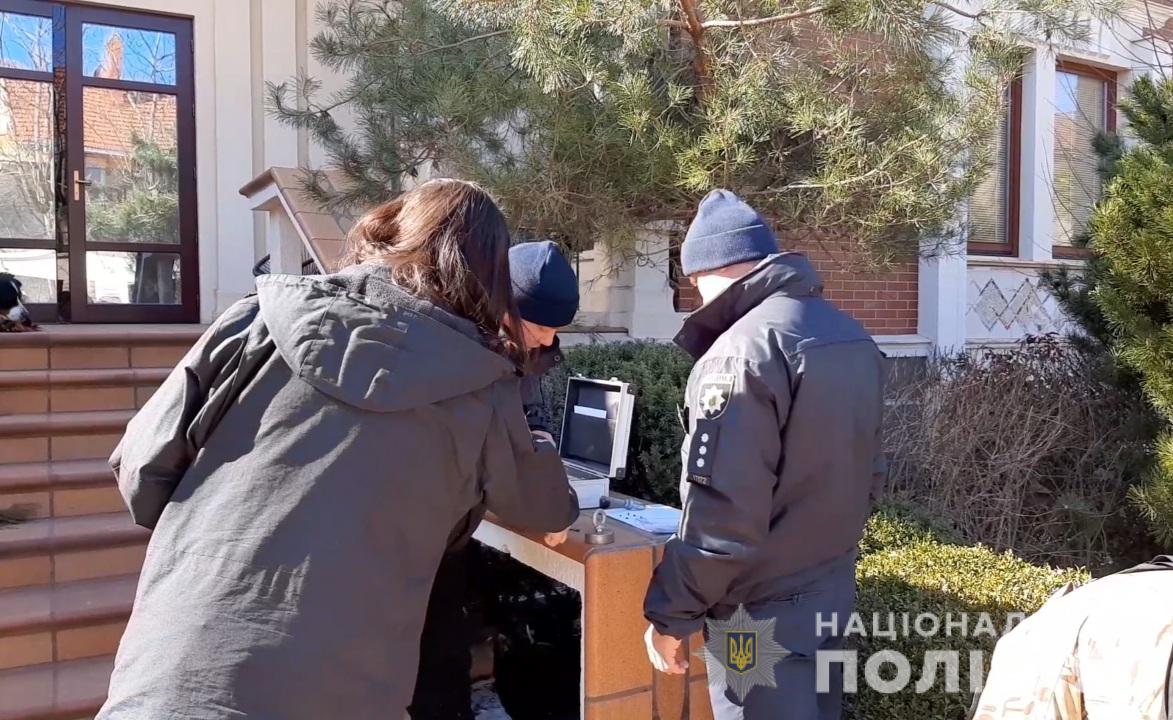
(685, 296)
(97, 162)
(1085, 107)
(993, 208)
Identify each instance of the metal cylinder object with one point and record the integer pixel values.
(600, 535)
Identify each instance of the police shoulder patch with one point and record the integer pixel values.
(713, 395)
(702, 452)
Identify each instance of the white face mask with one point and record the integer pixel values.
(710, 285)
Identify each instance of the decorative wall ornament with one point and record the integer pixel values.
(1007, 305)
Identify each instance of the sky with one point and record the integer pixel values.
(26, 42)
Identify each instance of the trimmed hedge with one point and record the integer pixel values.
(909, 563)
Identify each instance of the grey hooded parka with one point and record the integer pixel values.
(304, 468)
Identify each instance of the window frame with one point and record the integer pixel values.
(1009, 248)
(1111, 80)
(685, 296)
(68, 80)
(41, 312)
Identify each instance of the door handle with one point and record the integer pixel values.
(77, 184)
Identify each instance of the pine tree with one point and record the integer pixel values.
(863, 119)
(1131, 234)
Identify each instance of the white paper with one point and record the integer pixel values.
(590, 411)
(658, 519)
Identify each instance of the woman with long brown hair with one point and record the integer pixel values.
(304, 467)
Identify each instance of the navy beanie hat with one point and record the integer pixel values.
(544, 285)
(725, 231)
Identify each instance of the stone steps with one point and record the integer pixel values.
(24, 477)
(60, 535)
(68, 690)
(70, 561)
(53, 424)
(100, 377)
(39, 391)
(65, 622)
(39, 607)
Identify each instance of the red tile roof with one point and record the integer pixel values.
(111, 118)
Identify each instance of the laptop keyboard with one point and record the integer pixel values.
(576, 474)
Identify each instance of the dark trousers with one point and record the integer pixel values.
(442, 684)
(794, 695)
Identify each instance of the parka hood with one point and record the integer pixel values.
(358, 337)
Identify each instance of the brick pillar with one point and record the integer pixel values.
(618, 681)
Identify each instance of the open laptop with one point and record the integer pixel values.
(596, 430)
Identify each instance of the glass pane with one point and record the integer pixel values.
(36, 270)
(125, 278)
(1080, 115)
(126, 54)
(26, 42)
(990, 205)
(131, 163)
(26, 160)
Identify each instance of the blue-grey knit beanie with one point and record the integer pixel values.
(544, 285)
(725, 231)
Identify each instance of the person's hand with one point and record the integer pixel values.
(556, 539)
(665, 652)
(543, 435)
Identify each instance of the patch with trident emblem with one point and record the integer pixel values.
(741, 652)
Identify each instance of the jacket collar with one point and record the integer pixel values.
(542, 359)
(788, 274)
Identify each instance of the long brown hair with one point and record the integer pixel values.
(447, 242)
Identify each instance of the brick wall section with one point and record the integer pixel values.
(884, 301)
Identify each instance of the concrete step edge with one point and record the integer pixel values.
(59, 534)
(55, 691)
(37, 608)
(23, 477)
(106, 377)
(51, 336)
(91, 422)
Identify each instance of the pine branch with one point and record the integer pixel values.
(752, 22)
(755, 22)
(701, 63)
(958, 11)
(465, 41)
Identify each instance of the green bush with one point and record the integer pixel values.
(909, 566)
(894, 526)
(658, 374)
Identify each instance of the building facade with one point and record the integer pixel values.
(142, 180)
(128, 130)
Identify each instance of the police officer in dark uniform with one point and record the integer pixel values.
(546, 291)
(784, 412)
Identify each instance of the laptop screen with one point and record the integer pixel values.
(588, 427)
